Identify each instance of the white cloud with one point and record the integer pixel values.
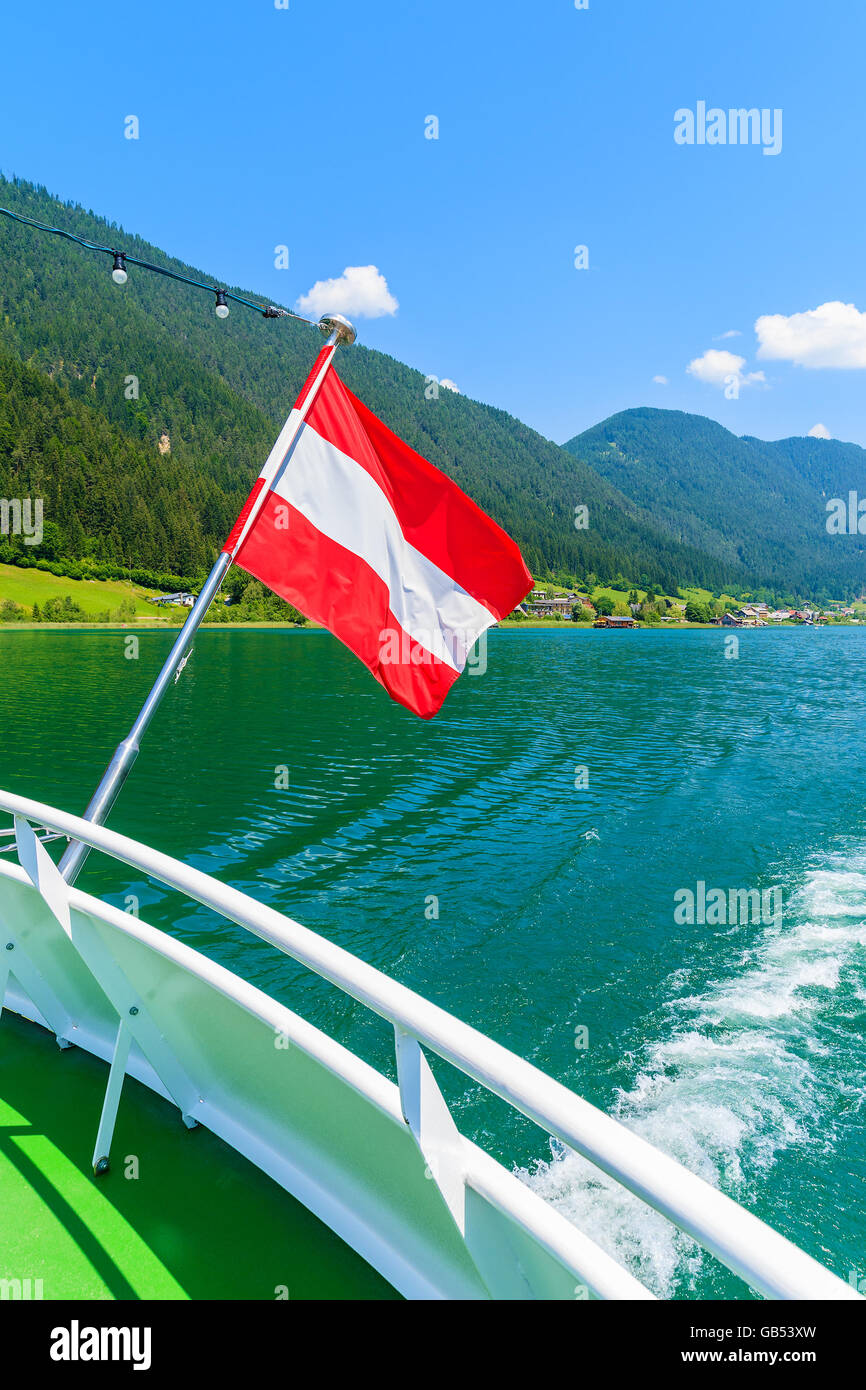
(718, 366)
(361, 291)
(820, 432)
(451, 385)
(715, 365)
(833, 335)
(660, 380)
(731, 333)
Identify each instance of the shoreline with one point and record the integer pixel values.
(534, 626)
(147, 626)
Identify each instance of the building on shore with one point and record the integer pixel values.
(180, 600)
(542, 604)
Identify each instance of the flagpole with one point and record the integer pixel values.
(339, 330)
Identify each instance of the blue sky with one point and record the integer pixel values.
(306, 127)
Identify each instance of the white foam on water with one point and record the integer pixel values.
(740, 1073)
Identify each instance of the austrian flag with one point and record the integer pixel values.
(367, 538)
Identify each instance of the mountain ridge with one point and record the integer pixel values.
(758, 504)
(222, 390)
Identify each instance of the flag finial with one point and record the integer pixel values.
(336, 323)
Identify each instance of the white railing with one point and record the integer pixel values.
(767, 1261)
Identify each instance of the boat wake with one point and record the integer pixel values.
(748, 1065)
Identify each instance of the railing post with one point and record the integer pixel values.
(431, 1123)
(108, 1118)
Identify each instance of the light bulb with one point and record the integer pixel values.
(222, 309)
(119, 275)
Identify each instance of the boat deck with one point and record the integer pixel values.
(197, 1222)
(387, 1194)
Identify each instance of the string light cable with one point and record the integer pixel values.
(120, 275)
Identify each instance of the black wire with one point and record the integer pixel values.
(268, 311)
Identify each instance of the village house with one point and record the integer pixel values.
(549, 607)
(542, 604)
(750, 616)
(180, 600)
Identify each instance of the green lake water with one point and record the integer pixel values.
(738, 1048)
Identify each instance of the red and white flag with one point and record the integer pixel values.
(366, 537)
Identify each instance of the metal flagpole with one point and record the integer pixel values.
(340, 330)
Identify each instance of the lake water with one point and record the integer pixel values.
(737, 1047)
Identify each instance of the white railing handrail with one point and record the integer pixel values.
(767, 1261)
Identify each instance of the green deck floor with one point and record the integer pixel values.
(197, 1222)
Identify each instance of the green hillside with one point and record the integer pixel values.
(70, 340)
(95, 598)
(758, 507)
(674, 500)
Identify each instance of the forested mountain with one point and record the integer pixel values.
(220, 391)
(755, 505)
(673, 498)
